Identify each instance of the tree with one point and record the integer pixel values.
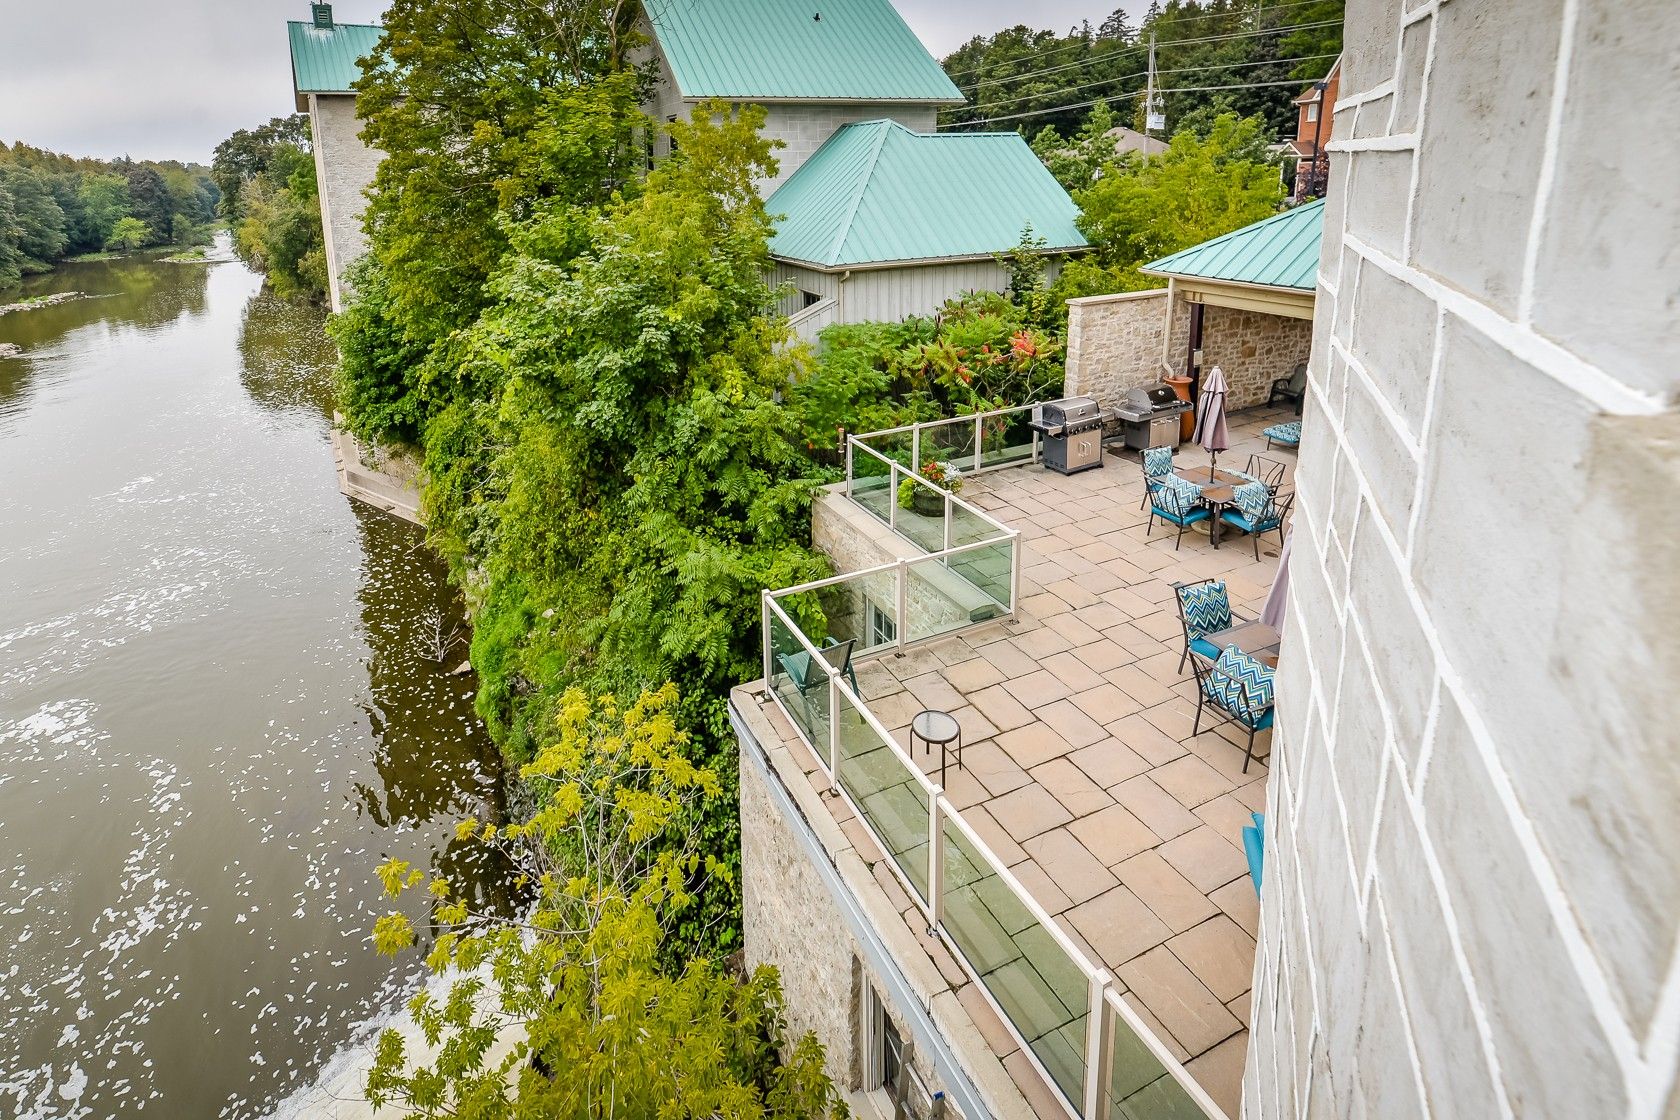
(247, 154)
(129, 234)
(601, 1030)
(1196, 190)
(150, 200)
(104, 201)
(280, 233)
(11, 258)
(40, 220)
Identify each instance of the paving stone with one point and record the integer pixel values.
(991, 764)
(1000, 842)
(1037, 688)
(1149, 742)
(1239, 902)
(1190, 780)
(1108, 762)
(1220, 954)
(1000, 708)
(1105, 704)
(1041, 643)
(1175, 997)
(933, 691)
(1113, 835)
(1008, 658)
(1033, 745)
(1155, 807)
(1070, 866)
(1071, 669)
(1220, 1072)
(1104, 654)
(1205, 858)
(972, 676)
(1075, 727)
(1071, 786)
(1169, 895)
(987, 1021)
(1028, 812)
(1118, 926)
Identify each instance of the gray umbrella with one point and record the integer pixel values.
(1277, 600)
(1210, 424)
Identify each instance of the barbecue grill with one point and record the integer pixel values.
(1072, 431)
(1150, 416)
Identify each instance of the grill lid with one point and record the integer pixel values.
(1152, 398)
(1071, 410)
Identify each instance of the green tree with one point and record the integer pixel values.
(104, 201)
(40, 220)
(11, 257)
(1196, 190)
(150, 200)
(247, 154)
(280, 233)
(601, 1031)
(128, 235)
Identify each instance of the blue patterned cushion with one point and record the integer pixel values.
(1284, 433)
(1252, 498)
(1189, 493)
(1207, 607)
(1244, 685)
(1157, 461)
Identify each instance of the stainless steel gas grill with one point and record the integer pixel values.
(1150, 416)
(1072, 431)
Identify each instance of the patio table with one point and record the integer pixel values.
(1256, 639)
(1217, 494)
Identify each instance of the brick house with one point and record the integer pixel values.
(1315, 111)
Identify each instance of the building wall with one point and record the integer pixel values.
(1471, 892)
(892, 294)
(1307, 132)
(345, 167)
(1115, 343)
(1253, 348)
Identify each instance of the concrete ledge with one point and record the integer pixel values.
(399, 497)
(1117, 297)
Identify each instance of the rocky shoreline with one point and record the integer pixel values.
(41, 301)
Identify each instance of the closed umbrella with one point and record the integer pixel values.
(1278, 598)
(1210, 424)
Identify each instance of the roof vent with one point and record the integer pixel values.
(321, 14)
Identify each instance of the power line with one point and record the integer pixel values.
(1007, 78)
(1143, 73)
(1297, 83)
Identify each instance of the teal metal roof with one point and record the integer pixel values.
(877, 193)
(1279, 252)
(858, 50)
(325, 61)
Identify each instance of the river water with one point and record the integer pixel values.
(218, 711)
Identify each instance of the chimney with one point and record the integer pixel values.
(321, 14)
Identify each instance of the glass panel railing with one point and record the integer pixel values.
(949, 441)
(800, 680)
(939, 600)
(1006, 439)
(1040, 988)
(989, 570)
(871, 484)
(889, 793)
(921, 520)
(1140, 1086)
(862, 609)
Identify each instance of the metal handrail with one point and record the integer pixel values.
(1105, 1007)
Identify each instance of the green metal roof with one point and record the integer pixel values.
(325, 61)
(797, 50)
(1278, 252)
(877, 193)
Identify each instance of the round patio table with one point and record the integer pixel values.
(937, 729)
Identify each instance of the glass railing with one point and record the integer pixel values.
(1064, 1011)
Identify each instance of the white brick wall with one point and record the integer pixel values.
(345, 167)
(1472, 890)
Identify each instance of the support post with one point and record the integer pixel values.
(892, 495)
(1015, 572)
(1099, 1047)
(902, 574)
(979, 437)
(834, 726)
(936, 862)
(947, 548)
(846, 442)
(769, 650)
(916, 448)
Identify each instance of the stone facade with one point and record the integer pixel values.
(1116, 343)
(345, 167)
(1471, 897)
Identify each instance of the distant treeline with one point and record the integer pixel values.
(55, 206)
(270, 198)
(1248, 57)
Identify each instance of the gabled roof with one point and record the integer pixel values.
(797, 50)
(1311, 92)
(1279, 252)
(324, 60)
(877, 193)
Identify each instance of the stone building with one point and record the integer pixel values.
(325, 58)
(1471, 893)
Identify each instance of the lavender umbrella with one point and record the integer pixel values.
(1210, 423)
(1278, 598)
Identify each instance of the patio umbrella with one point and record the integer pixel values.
(1210, 423)
(1278, 598)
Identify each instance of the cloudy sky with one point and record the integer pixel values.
(167, 79)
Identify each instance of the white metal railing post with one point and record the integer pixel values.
(903, 605)
(1099, 1046)
(892, 495)
(834, 724)
(936, 861)
(849, 486)
(1035, 445)
(916, 448)
(946, 501)
(1015, 571)
(979, 437)
(764, 605)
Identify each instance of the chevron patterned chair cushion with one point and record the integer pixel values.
(1157, 461)
(1243, 686)
(1207, 607)
(1252, 498)
(1285, 433)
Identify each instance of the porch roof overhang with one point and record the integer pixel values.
(1290, 302)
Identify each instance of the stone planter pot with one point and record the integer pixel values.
(927, 503)
(1186, 423)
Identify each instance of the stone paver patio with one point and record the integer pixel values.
(1080, 770)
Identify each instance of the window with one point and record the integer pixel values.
(808, 298)
(889, 1077)
(671, 141)
(1312, 111)
(879, 626)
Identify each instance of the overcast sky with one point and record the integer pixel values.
(168, 79)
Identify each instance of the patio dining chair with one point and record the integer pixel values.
(1259, 511)
(1292, 388)
(1269, 471)
(1239, 690)
(1157, 465)
(807, 677)
(1178, 503)
(1203, 608)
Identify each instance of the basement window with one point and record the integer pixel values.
(808, 299)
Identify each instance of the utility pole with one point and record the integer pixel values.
(1153, 118)
(1318, 135)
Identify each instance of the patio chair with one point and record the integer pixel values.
(1292, 388)
(1269, 471)
(1254, 847)
(1239, 689)
(1157, 465)
(1284, 435)
(808, 677)
(1203, 608)
(1259, 511)
(1178, 503)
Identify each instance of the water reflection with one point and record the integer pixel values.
(217, 712)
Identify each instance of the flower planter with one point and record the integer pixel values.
(927, 502)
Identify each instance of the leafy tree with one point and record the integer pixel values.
(601, 1030)
(150, 200)
(247, 154)
(11, 257)
(1078, 161)
(128, 234)
(104, 201)
(280, 233)
(1196, 190)
(40, 220)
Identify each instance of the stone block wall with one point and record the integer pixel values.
(345, 167)
(1253, 348)
(1471, 899)
(1115, 343)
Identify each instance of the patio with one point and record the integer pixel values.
(1080, 770)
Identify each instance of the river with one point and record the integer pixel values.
(218, 711)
